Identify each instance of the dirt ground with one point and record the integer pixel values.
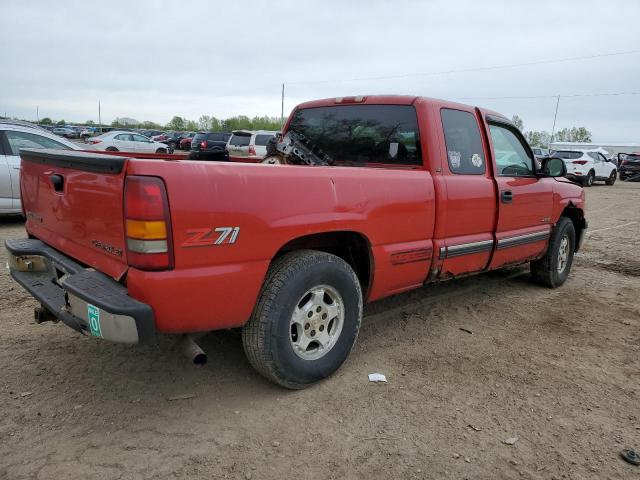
(557, 369)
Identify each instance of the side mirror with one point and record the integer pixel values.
(553, 167)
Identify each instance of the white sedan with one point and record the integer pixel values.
(120, 141)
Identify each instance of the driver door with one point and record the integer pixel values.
(525, 201)
(601, 165)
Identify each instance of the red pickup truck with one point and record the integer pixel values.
(410, 190)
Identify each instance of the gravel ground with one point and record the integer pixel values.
(557, 369)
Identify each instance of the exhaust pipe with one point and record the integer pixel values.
(192, 350)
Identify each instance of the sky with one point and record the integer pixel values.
(151, 60)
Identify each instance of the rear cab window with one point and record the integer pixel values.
(465, 152)
(362, 134)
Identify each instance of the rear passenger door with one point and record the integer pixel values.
(466, 224)
(124, 143)
(525, 201)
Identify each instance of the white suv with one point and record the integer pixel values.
(587, 166)
(253, 145)
(15, 135)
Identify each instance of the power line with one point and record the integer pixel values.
(468, 70)
(570, 95)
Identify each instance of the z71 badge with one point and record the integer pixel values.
(203, 237)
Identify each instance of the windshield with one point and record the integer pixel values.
(362, 133)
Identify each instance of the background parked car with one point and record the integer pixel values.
(161, 137)
(185, 141)
(88, 132)
(209, 146)
(173, 139)
(245, 143)
(65, 132)
(122, 141)
(13, 137)
(587, 166)
(630, 167)
(151, 133)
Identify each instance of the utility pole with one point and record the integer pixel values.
(282, 108)
(99, 118)
(37, 114)
(553, 130)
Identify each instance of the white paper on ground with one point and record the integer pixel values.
(377, 377)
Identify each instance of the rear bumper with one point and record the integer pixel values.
(84, 299)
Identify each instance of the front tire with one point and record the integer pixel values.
(553, 269)
(111, 149)
(306, 320)
(161, 150)
(612, 178)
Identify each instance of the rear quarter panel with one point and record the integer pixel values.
(216, 286)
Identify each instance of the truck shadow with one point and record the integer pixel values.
(157, 374)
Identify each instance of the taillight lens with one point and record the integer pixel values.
(624, 162)
(147, 223)
(94, 141)
(203, 144)
(252, 150)
(579, 162)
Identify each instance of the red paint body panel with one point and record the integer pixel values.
(406, 215)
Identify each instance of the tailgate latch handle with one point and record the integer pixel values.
(57, 181)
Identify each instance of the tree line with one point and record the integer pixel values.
(205, 122)
(542, 138)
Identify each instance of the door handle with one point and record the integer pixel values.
(57, 181)
(506, 196)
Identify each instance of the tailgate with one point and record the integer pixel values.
(73, 201)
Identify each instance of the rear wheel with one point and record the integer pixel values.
(111, 149)
(161, 150)
(612, 178)
(553, 269)
(306, 320)
(588, 180)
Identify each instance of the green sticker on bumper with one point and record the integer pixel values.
(93, 313)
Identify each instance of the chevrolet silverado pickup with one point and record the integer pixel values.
(373, 196)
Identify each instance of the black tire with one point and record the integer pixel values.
(111, 149)
(268, 335)
(588, 180)
(545, 271)
(612, 178)
(161, 150)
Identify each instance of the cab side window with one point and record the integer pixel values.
(512, 158)
(18, 140)
(464, 144)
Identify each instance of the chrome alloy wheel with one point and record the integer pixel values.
(317, 322)
(563, 253)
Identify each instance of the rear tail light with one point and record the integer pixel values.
(94, 141)
(147, 223)
(579, 162)
(624, 162)
(203, 145)
(252, 150)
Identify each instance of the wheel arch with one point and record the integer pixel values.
(576, 215)
(353, 247)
